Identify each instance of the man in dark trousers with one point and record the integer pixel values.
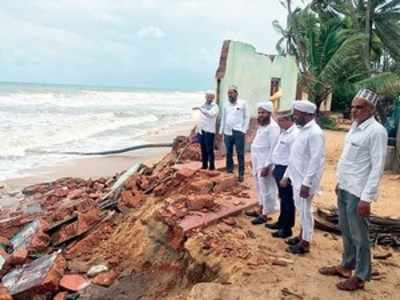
(206, 130)
(279, 162)
(234, 124)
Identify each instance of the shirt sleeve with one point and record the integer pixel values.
(317, 159)
(213, 112)
(246, 117)
(273, 139)
(377, 152)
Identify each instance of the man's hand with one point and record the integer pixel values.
(304, 192)
(284, 182)
(364, 209)
(265, 171)
(337, 189)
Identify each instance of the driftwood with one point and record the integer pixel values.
(382, 231)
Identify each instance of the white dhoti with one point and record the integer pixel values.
(267, 194)
(305, 208)
(261, 150)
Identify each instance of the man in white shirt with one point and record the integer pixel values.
(234, 124)
(359, 172)
(304, 171)
(206, 130)
(261, 150)
(279, 163)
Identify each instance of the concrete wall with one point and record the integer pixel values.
(251, 72)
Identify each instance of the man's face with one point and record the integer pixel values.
(232, 95)
(299, 117)
(263, 117)
(210, 98)
(285, 122)
(361, 110)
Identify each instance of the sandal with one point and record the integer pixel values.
(259, 220)
(335, 271)
(293, 241)
(299, 248)
(351, 284)
(253, 214)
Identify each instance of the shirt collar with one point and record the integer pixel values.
(364, 124)
(290, 129)
(309, 124)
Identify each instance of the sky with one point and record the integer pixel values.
(172, 44)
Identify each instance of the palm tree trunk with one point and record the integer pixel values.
(368, 31)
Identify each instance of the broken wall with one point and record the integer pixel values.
(252, 72)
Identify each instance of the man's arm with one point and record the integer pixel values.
(213, 112)
(377, 153)
(317, 159)
(273, 139)
(246, 117)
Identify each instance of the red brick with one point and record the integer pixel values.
(4, 295)
(75, 194)
(184, 173)
(199, 202)
(73, 282)
(202, 186)
(18, 257)
(223, 184)
(131, 200)
(105, 279)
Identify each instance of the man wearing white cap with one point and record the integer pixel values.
(304, 171)
(234, 124)
(261, 150)
(206, 130)
(359, 172)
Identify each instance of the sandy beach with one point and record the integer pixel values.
(99, 166)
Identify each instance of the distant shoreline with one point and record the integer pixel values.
(101, 166)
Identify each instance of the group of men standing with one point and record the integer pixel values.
(288, 155)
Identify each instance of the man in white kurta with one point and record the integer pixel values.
(261, 150)
(206, 130)
(359, 172)
(304, 171)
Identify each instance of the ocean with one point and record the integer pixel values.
(36, 118)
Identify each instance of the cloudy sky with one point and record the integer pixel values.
(171, 44)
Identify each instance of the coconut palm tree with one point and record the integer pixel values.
(324, 51)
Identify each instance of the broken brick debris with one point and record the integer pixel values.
(105, 279)
(74, 282)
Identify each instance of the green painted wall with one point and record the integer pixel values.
(252, 73)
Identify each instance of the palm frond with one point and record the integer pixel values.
(384, 84)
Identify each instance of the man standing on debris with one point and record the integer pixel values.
(279, 162)
(234, 124)
(206, 130)
(359, 172)
(261, 150)
(304, 171)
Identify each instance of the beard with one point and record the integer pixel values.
(232, 99)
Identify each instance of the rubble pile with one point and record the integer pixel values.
(74, 233)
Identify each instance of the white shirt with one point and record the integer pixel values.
(208, 117)
(235, 117)
(307, 157)
(281, 153)
(362, 162)
(263, 144)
